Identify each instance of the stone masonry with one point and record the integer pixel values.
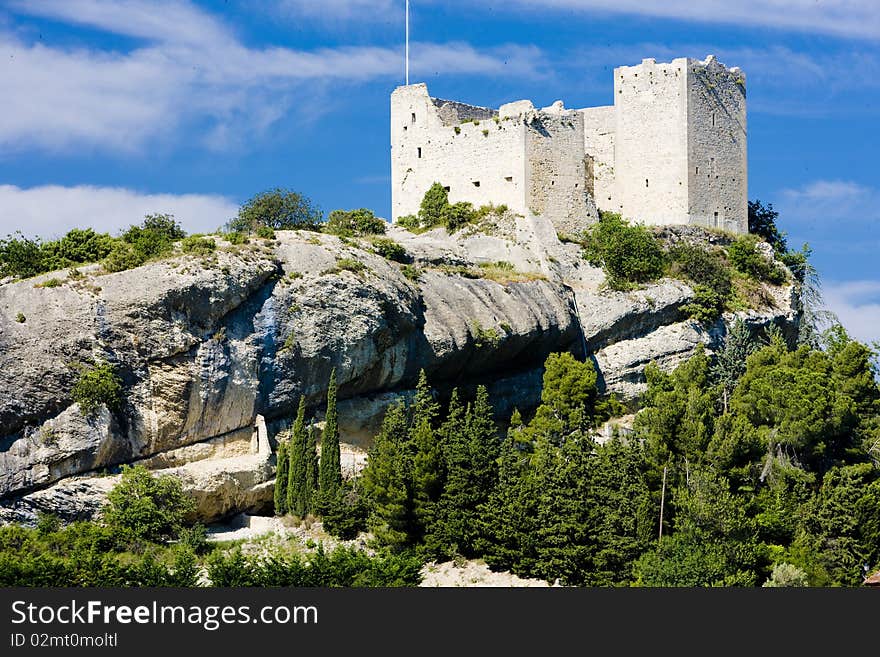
(671, 150)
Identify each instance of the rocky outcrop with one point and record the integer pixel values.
(205, 344)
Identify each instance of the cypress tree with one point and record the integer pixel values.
(281, 475)
(298, 489)
(330, 467)
(311, 454)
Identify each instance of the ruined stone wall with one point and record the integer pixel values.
(599, 126)
(480, 162)
(717, 165)
(651, 142)
(556, 170)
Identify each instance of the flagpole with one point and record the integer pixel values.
(407, 42)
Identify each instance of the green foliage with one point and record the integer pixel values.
(236, 238)
(21, 257)
(330, 473)
(434, 207)
(628, 254)
(354, 222)
(470, 449)
(410, 222)
(97, 386)
(154, 237)
(279, 209)
(744, 255)
(122, 257)
(436, 210)
(76, 247)
(282, 472)
(301, 470)
(706, 306)
(20, 318)
(785, 575)
(390, 250)
(265, 232)
(142, 507)
(411, 273)
(345, 514)
(196, 245)
(485, 337)
(52, 282)
(350, 264)
(347, 567)
(762, 222)
(701, 266)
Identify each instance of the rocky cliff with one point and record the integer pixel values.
(207, 344)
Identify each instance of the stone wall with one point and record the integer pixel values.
(651, 142)
(717, 165)
(599, 126)
(556, 171)
(480, 162)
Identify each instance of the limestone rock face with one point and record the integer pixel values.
(206, 344)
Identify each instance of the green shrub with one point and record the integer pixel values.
(266, 233)
(747, 259)
(458, 215)
(142, 507)
(20, 318)
(485, 337)
(629, 254)
(706, 306)
(154, 237)
(411, 273)
(198, 245)
(77, 247)
(236, 238)
(346, 567)
(354, 222)
(278, 208)
(21, 257)
(435, 204)
(122, 257)
(699, 266)
(390, 250)
(52, 282)
(350, 264)
(346, 515)
(409, 222)
(96, 386)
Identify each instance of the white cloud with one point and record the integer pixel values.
(191, 72)
(847, 18)
(857, 305)
(51, 211)
(831, 202)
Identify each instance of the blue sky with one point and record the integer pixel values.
(115, 108)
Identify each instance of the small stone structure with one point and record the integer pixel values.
(671, 150)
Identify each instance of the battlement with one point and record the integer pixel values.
(671, 150)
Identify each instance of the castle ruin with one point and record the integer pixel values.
(671, 150)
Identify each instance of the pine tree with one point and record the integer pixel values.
(281, 475)
(470, 453)
(330, 469)
(424, 460)
(444, 536)
(509, 519)
(730, 362)
(298, 488)
(385, 480)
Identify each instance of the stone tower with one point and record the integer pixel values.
(680, 144)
